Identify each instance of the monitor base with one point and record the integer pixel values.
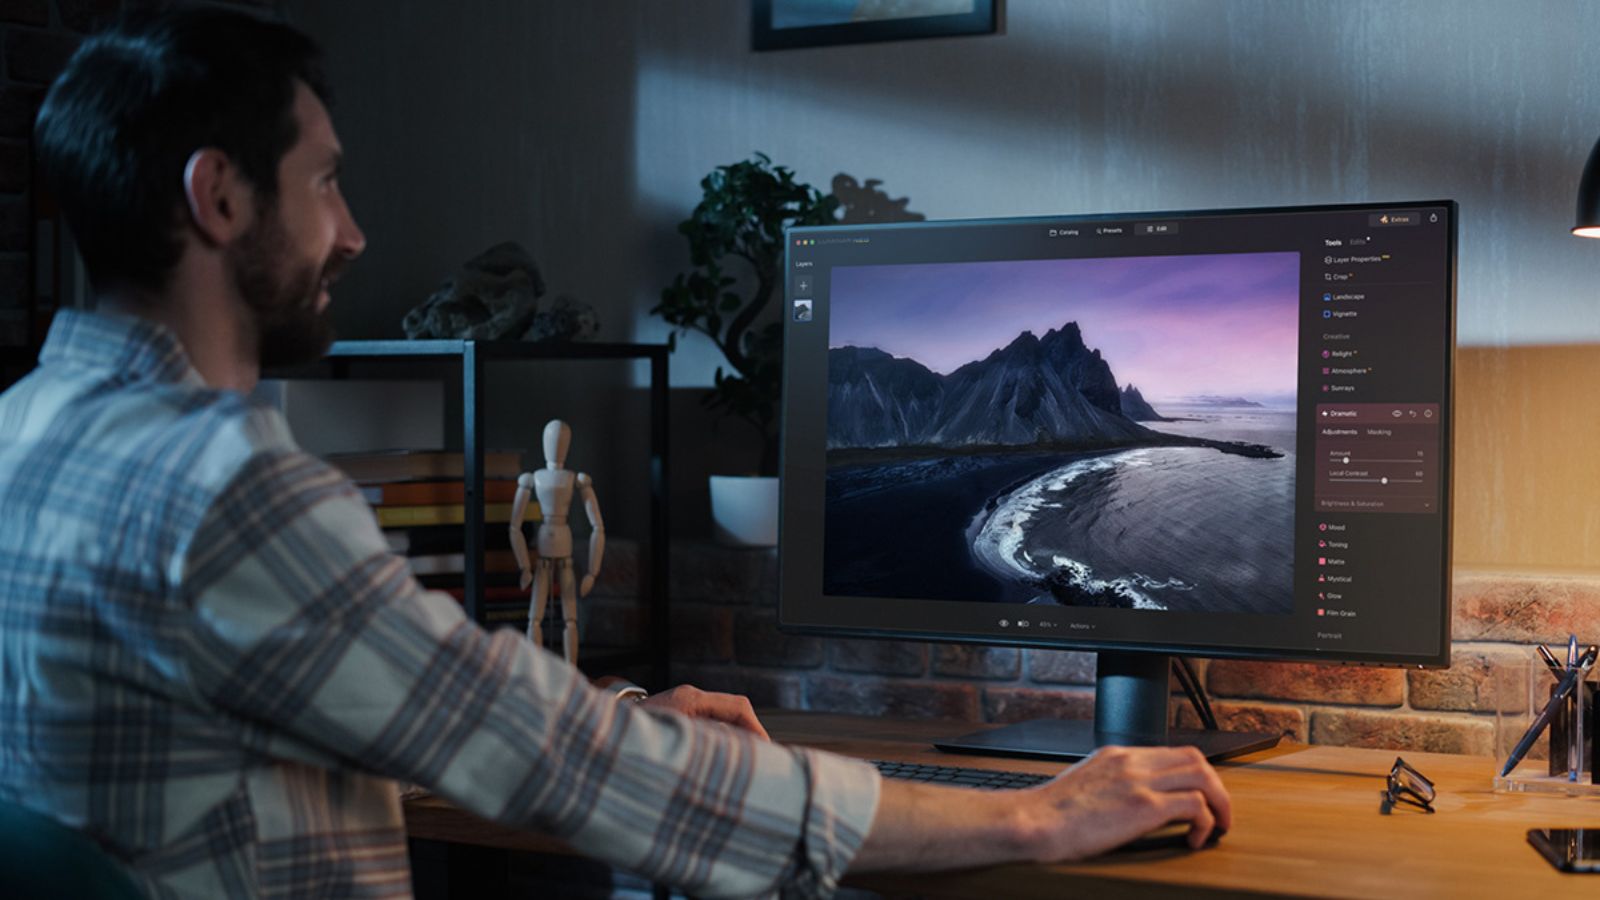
(1074, 739)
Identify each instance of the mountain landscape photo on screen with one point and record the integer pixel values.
(1082, 432)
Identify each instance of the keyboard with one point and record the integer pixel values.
(959, 776)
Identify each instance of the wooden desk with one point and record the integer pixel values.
(1306, 824)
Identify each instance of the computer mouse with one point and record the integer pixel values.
(1171, 836)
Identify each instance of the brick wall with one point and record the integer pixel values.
(724, 637)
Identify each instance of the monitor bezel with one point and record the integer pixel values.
(1339, 656)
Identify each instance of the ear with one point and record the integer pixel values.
(219, 200)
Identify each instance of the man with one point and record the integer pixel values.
(209, 662)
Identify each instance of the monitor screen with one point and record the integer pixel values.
(1216, 433)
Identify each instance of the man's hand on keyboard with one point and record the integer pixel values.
(1114, 796)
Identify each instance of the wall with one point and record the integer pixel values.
(1527, 422)
(582, 130)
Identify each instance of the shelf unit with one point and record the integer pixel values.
(475, 358)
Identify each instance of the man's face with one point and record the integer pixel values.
(297, 245)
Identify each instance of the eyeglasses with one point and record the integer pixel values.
(1407, 785)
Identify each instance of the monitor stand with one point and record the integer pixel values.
(1131, 695)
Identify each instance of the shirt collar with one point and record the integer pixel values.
(135, 346)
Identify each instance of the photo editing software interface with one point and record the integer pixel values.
(1220, 433)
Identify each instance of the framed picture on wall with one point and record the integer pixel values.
(780, 24)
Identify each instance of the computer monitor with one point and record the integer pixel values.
(1220, 434)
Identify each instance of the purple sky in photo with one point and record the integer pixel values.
(1174, 326)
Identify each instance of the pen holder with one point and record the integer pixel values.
(1521, 691)
(1571, 749)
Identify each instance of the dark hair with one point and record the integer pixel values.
(137, 100)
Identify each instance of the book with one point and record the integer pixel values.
(502, 594)
(438, 514)
(450, 582)
(456, 563)
(455, 581)
(423, 493)
(412, 465)
(422, 540)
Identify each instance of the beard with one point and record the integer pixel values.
(282, 295)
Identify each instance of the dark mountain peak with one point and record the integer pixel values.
(851, 355)
(1024, 346)
(1023, 351)
(1063, 350)
(863, 353)
(1052, 389)
(852, 363)
(1135, 407)
(1068, 335)
(1066, 345)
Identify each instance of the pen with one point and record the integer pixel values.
(1558, 697)
(1550, 662)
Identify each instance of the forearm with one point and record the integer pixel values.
(919, 827)
(597, 550)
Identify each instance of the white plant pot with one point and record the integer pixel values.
(744, 510)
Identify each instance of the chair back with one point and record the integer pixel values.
(41, 859)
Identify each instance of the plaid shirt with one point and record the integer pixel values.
(211, 665)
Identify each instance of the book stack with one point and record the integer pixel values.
(419, 498)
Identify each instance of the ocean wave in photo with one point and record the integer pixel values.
(1153, 528)
(1001, 538)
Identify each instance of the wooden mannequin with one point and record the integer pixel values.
(554, 486)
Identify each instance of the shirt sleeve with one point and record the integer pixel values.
(321, 644)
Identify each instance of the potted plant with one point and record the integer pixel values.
(735, 237)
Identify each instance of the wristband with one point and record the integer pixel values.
(627, 690)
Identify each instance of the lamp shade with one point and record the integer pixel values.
(1588, 224)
